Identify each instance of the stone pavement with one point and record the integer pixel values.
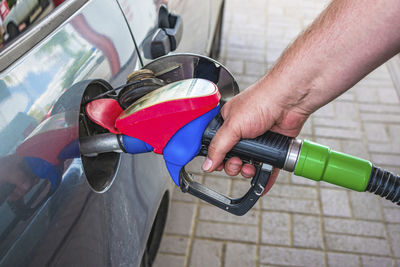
(299, 222)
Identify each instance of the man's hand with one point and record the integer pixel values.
(346, 42)
(248, 115)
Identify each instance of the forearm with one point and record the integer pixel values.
(346, 42)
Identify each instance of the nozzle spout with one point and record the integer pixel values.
(91, 146)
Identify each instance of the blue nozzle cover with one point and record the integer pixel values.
(135, 146)
(185, 144)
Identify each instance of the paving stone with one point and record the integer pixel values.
(355, 148)
(385, 159)
(174, 244)
(256, 41)
(290, 205)
(290, 256)
(365, 205)
(194, 166)
(371, 261)
(379, 108)
(236, 41)
(206, 253)
(388, 95)
(275, 10)
(235, 66)
(293, 191)
(325, 184)
(377, 83)
(273, 54)
(388, 204)
(394, 131)
(394, 236)
(380, 72)
(337, 133)
(376, 132)
(276, 44)
(164, 260)
(180, 196)
(387, 118)
(244, 81)
(346, 110)
(354, 227)
(255, 68)
(339, 260)
(366, 95)
(392, 214)
(347, 96)
(325, 111)
(307, 128)
(307, 231)
(224, 231)
(240, 255)
(302, 181)
(180, 218)
(367, 245)
(220, 185)
(240, 187)
(335, 202)
(275, 228)
(334, 144)
(384, 147)
(212, 213)
(283, 177)
(235, 53)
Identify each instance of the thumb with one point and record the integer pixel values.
(223, 141)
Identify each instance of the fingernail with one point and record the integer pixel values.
(207, 164)
(246, 175)
(234, 167)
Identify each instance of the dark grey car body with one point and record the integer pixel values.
(60, 219)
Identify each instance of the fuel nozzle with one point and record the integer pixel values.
(173, 110)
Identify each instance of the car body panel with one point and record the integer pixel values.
(60, 220)
(198, 19)
(69, 223)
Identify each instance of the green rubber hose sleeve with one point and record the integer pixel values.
(320, 163)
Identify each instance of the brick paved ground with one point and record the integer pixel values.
(299, 222)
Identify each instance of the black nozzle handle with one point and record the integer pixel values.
(270, 148)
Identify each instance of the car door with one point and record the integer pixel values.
(57, 208)
(195, 16)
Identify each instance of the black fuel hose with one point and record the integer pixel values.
(385, 184)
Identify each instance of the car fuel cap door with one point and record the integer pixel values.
(176, 67)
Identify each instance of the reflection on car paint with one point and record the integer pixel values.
(40, 168)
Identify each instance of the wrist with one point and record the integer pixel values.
(287, 94)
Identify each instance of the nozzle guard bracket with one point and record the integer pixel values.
(237, 206)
